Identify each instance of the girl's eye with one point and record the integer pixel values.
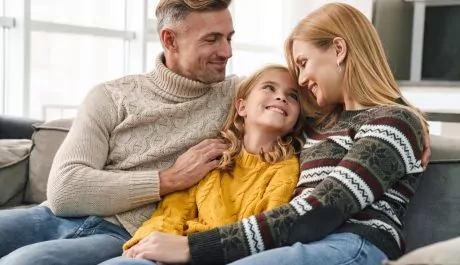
(294, 96)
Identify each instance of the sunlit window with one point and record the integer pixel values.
(65, 67)
(95, 13)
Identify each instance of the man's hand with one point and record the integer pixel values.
(192, 166)
(162, 248)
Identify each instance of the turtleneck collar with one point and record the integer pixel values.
(249, 160)
(174, 86)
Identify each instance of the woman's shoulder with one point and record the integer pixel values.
(401, 118)
(394, 114)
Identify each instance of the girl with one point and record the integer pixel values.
(257, 173)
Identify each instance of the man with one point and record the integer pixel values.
(134, 140)
(128, 145)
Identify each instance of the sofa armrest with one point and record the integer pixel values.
(16, 128)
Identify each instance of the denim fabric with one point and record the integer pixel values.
(336, 249)
(127, 261)
(35, 236)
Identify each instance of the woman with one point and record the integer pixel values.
(359, 167)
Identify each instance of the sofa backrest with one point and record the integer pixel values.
(433, 214)
(434, 211)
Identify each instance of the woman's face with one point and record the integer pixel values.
(319, 73)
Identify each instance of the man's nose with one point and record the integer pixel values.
(225, 50)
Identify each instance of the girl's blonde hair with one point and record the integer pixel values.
(369, 79)
(233, 129)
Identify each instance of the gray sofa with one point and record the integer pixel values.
(433, 214)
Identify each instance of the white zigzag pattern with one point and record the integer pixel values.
(251, 229)
(300, 205)
(309, 142)
(385, 208)
(343, 140)
(398, 140)
(355, 184)
(396, 193)
(379, 225)
(389, 195)
(314, 174)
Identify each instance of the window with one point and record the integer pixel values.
(65, 67)
(94, 13)
(264, 27)
(258, 36)
(152, 7)
(2, 61)
(153, 49)
(246, 62)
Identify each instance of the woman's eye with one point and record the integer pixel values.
(269, 87)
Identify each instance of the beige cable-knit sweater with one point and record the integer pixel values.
(127, 130)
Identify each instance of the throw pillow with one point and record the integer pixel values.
(441, 253)
(46, 140)
(13, 171)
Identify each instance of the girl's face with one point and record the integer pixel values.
(319, 73)
(273, 104)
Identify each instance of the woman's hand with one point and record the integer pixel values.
(161, 247)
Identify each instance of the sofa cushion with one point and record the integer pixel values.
(46, 140)
(442, 253)
(444, 149)
(13, 170)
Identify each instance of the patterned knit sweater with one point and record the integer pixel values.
(357, 176)
(252, 187)
(127, 130)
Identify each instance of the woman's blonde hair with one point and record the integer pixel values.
(368, 76)
(233, 129)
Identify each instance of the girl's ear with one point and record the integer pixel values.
(240, 106)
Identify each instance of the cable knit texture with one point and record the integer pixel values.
(127, 130)
(252, 187)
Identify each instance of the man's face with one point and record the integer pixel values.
(204, 46)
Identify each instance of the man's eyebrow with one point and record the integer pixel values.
(217, 34)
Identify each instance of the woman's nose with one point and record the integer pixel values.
(303, 80)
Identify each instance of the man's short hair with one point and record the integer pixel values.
(169, 11)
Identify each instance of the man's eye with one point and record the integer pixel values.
(211, 40)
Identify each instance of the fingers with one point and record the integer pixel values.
(208, 143)
(214, 152)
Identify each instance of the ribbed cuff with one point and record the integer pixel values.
(144, 187)
(205, 248)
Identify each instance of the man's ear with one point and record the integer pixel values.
(340, 47)
(169, 40)
(240, 105)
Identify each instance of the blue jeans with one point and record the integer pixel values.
(35, 236)
(335, 249)
(128, 261)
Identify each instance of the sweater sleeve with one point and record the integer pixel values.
(78, 184)
(385, 150)
(170, 216)
(281, 186)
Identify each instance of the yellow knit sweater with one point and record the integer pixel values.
(222, 198)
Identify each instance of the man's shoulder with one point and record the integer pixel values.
(122, 83)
